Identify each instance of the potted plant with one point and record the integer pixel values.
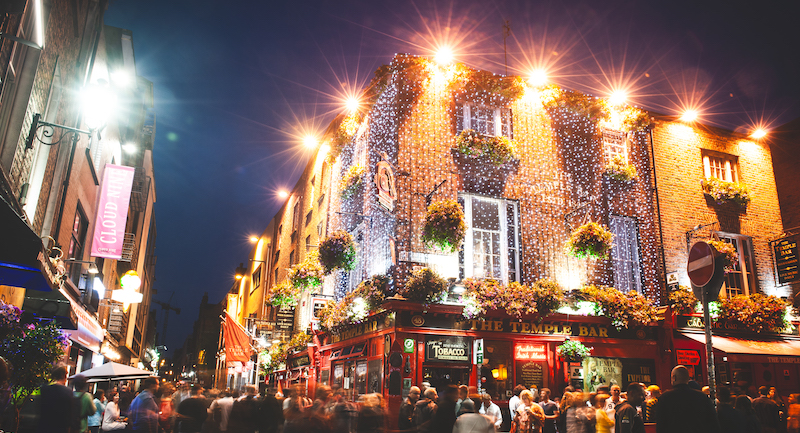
(590, 240)
(337, 251)
(351, 180)
(573, 351)
(683, 300)
(424, 286)
(307, 274)
(541, 298)
(284, 294)
(624, 309)
(722, 192)
(619, 169)
(484, 161)
(444, 226)
(756, 313)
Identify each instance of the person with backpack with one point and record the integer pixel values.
(82, 406)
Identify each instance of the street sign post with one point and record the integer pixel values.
(707, 273)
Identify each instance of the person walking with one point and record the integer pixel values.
(651, 404)
(192, 412)
(615, 399)
(744, 406)
(405, 420)
(579, 415)
(513, 402)
(445, 416)
(244, 412)
(793, 414)
(143, 411)
(626, 417)
(83, 406)
(270, 413)
(463, 395)
(767, 411)
(471, 422)
(683, 409)
(96, 419)
(221, 407)
(111, 417)
(529, 417)
(370, 416)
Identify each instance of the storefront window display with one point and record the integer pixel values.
(496, 371)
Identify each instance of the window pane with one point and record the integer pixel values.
(485, 215)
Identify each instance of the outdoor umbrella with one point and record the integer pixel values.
(114, 371)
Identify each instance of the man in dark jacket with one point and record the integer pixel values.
(627, 418)
(55, 403)
(425, 410)
(683, 409)
(192, 413)
(405, 421)
(270, 414)
(766, 411)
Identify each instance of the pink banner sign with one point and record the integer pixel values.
(112, 212)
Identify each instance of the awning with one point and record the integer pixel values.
(22, 258)
(750, 347)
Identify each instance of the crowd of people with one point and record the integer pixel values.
(160, 407)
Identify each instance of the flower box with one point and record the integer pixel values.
(480, 175)
(720, 192)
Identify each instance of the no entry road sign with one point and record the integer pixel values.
(701, 264)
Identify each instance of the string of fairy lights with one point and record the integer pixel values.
(558, 183)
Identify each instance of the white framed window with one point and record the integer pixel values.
(615, 143)
(494, 121)
(721, 166)
(741, 280)
(625, 254)
(491, 247)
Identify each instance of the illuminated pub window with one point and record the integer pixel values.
(625, 254)
(486, 120)
(497, 369)
(491, 247)
(615, 144)
(742, 279)
(721, 166)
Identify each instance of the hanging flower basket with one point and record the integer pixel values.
(619, 169)
(541, 298)
(484, 162)
(284, 294)
(497, 150)
(756, 313)
(338, 251)
(444, 226)
(722, 192)
(728, 252)
(624, 309)
(573, 351)
(683, 300)
(352, 180)
(590, 240)
(307, 274)
(424, 286)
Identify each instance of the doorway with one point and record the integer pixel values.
(440, 377)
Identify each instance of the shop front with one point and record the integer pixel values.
(743, 360)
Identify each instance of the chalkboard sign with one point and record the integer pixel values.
(787, 261)
(530, 374)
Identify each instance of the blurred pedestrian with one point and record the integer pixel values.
(191, 412)
(244, 412)
(143, 411)
(343, 414)
(96, 419)
(603, 423)
(579, 415)
(774, 396)
(744, 406)
(270, 413)
(513, 402)
(370, 416)
(793, 414)
(615, 399)
(471, 422)
(125, 398)
(463, 395)
(405, 421)
(683, 409)
(220, 410)
(83, 405)
(111, 418)
(166, 408)
(445, 416)
(57, 398)
(550, 409)
(529, 417)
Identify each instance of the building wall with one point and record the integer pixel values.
(678, 150)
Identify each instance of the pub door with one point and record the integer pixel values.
(440, 377)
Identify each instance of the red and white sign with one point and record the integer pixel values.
(112, 212)
(701, 264)
(687, 357)
(237, 343)
(530, 352)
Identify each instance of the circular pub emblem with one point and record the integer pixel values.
(640, 334)
(417, 320)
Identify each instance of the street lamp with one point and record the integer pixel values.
(240, 271)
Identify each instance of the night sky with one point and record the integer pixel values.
(238, 84)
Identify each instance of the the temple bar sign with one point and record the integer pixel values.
(540, 328)
(787, 262)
